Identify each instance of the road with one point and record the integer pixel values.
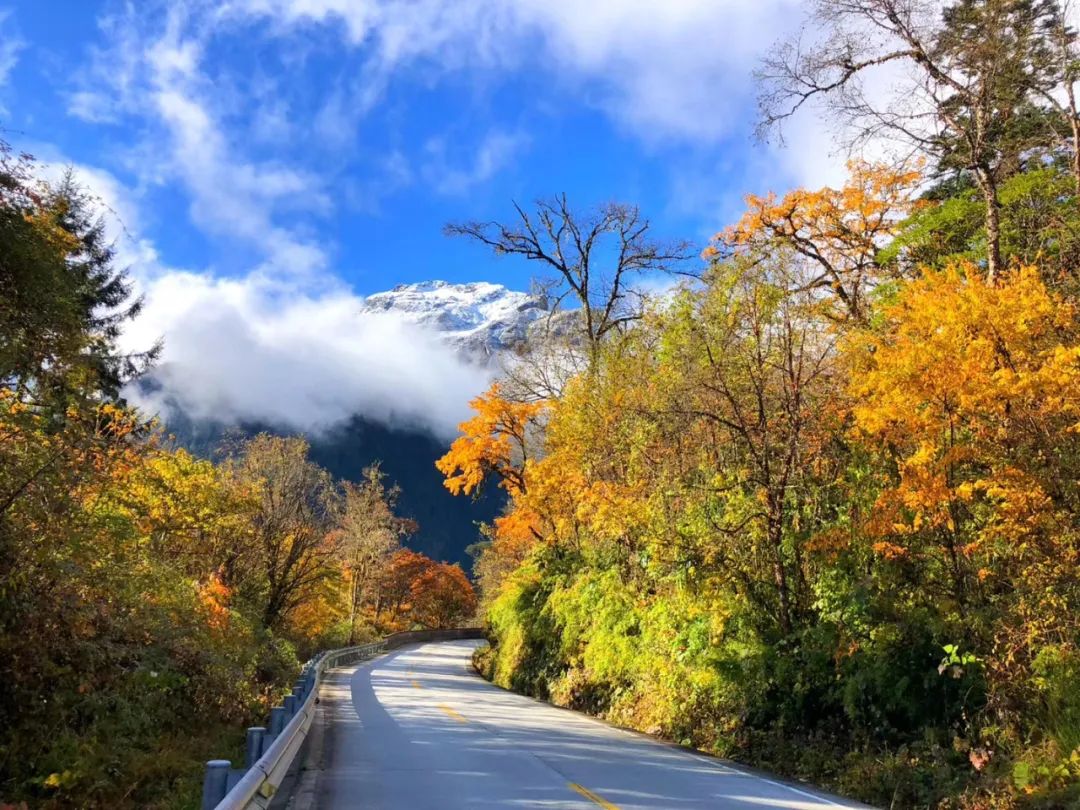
(418, 729)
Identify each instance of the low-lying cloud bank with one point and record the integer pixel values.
(260, 349)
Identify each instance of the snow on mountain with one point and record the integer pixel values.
(479, 319)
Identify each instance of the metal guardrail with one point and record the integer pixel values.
(270, 750)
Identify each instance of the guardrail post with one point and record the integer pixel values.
(299, 690)
(215, 783)
(277, 720)
(254, 747)
(290, 706)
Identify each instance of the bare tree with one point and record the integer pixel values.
(975, 68)
(540, 368)
(593, 256)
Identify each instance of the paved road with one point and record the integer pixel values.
(418, 729)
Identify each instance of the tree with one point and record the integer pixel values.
(442, 596)
(396, 581)
(839, 231)
(369, 534)
(752, 371)
(973, 392)
(494, 442)
(597, 275)
(63, 301)
(297, 510)
(977, 69)
(1065, 58)
(1040, 227)
(193, 514)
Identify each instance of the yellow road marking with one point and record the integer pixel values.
(416, 684)
(451, 713)
(592, 797)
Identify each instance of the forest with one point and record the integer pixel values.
(152, 603)
(817, 508)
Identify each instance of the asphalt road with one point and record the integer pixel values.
(418, 729)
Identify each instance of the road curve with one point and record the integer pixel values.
(418, 729)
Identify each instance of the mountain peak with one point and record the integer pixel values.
(478, 318)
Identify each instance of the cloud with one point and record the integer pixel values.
(253, 349)
(155, 74)
(677, 69)
(290, 351)
(678, 72)
(278, 339)
(11, 45)
(668, 73)
(496, 151)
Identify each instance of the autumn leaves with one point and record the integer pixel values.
(756, 517)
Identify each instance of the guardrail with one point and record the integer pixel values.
(270, 750)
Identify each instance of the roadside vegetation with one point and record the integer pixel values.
(818, 508)
(152, 603)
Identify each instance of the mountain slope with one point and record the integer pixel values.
(480, 321)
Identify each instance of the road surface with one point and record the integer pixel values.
(418, 729)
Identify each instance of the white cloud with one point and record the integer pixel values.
(11, 45)
(252, 349)
(676, 69)
(290, 351)
(495, 152)
(283, 343)
(156, 75)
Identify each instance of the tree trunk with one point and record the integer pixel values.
(988, 185)
(352, 608)
(776, 540)
(1074, 120)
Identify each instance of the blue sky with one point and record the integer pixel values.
(269, 155)
(380, 121)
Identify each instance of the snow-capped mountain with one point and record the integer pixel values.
(480, 319)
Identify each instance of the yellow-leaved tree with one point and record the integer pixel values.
(970, 394)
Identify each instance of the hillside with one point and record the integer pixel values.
(480, 321)
(448, 525)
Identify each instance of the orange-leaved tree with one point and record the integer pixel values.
(840, 231)
(395, 582)
(494, 442)
(442, 596)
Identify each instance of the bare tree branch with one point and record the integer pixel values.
(577, 248)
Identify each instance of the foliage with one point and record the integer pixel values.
(442, 596)
(1040, 227)
(839, 232)
(370, 532)
(62, 300)
(986, 83)
(494, 442)
(151, 603)
(415, 589)
(838, 542)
